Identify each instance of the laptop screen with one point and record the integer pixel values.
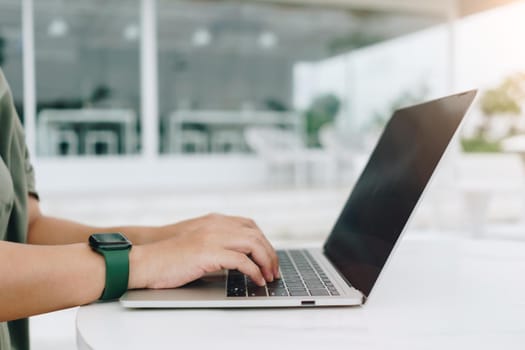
(390, 186)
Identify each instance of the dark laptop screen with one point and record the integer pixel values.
(390, 186)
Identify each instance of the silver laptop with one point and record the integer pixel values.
(345, 270)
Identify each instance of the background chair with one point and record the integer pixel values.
(285, 154)
(485, 178)
(63, 142)
(227, 141)
(345, 167)
(194, 140)
(96, 138)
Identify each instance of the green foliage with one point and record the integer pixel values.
(323, 110)
(506, 98)
(480, 145)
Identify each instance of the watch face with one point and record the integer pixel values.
(109, 241)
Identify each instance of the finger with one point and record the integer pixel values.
(251, 243)
(244, 221)
(270, 249)
(273, 255)
(232, 260)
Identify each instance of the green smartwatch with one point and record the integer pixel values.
(115, 248)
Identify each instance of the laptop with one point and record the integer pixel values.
(344, 271)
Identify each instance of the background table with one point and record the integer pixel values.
(227, 119)
(437, 293)
(52, 119)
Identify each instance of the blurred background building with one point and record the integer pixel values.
(149, 111)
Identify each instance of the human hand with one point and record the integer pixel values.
(182, 227)
(209, 244)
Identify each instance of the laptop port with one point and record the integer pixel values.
(308, 302)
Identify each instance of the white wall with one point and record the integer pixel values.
(490, 46)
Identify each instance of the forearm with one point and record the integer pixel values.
(38, 279)
(49, 230)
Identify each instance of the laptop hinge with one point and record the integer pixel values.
(344, 278)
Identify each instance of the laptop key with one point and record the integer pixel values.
(299, 293)
(257, 292)
(314, 285)
(291, 277)
(277, 292)
(297, 288)
(236, 292)
(276, 284)
(311, 280)
(319, 292)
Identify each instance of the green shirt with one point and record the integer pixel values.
(16, 182)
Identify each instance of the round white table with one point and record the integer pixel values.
(437, 293)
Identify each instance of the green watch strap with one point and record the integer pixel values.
(117, 273)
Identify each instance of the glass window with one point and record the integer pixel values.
(226, 67)
(11, 49)
(87, 77)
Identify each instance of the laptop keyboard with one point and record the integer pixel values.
(301, 275)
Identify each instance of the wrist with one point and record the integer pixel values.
(138, 276)
(115, 248)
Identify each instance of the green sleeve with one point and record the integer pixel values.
(13, 150)
(30, 174)
(14, 141)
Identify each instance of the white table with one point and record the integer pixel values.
(52, 119)
(435, 294)
(236, 119)
(515, 144)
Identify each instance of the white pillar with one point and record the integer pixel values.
(149, 80)
(452, 17)
(28, 64)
